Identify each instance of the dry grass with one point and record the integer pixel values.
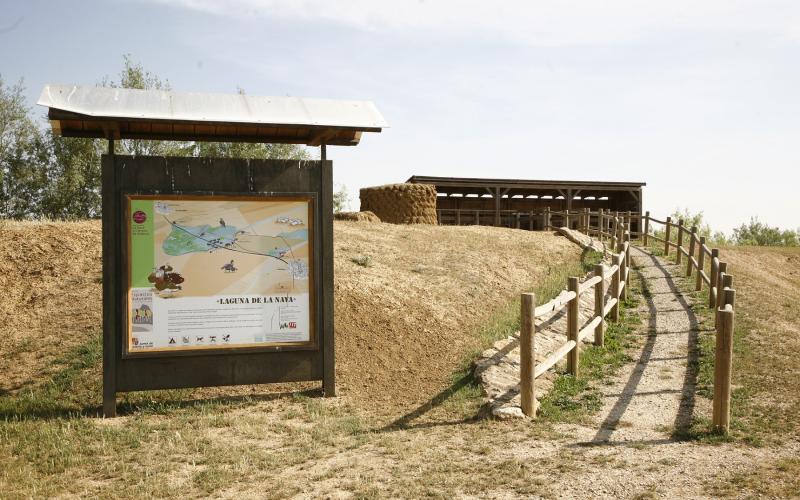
(766, 374)
(766, 370)
(250, 442)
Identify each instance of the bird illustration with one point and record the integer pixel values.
(221, 222)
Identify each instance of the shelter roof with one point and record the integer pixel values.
(471, 184)
(83, 111)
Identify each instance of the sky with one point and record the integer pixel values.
(700, 100)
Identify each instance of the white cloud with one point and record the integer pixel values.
(539, 23)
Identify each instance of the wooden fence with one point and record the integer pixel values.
(542, 219)
(619, 275)
(614, 228)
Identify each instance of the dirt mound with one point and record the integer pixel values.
(357, 216)
(401, 203)
(405, 298)
(51, 277)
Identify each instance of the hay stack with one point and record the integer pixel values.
(357, 216)
(401, 203)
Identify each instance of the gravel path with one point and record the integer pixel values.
(656, 394)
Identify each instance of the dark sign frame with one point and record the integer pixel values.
(170, 175)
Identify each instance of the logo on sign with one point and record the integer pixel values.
(139, 217)
(289, 324)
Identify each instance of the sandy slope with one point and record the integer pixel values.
(401, 321)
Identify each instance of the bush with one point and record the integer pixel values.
(760, 234)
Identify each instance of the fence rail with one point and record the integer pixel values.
(615, 227)
(618, 274)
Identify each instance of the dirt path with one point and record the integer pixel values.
(655, 395)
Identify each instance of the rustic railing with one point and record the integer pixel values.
(615, 229)
(619, 276)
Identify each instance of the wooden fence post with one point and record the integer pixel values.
(724, 281)
(573, 311)
(678, 253)
(614, 239)
(599, 305)
(629, 222)
(616, 261)
(546, 218)
(668, 228)
(458, 217)
(701, 264)
(722, 268)
(600, 224)
(587, 215)
(723, 359)
(627, 266)
(527, 349)
(646, 227)
(692, 237)
(477, 217)
(530, 221)
(712, 294)
(516, 216)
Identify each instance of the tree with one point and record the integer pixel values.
(341, 199)
(134, 76)
(42, 175)
(23, 153)
(73, 173)
(758, 233)
(692, 220)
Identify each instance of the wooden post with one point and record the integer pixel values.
(600, 221)
(627, 275)
(530, 220)
(712, 297)
(629, 222)
(573, 311)
(547, 218)
(723, 359)
(477, 217)
(614, 240)
(692, 238)
(701, 264)
(517, 217)
(599, 305)
(566, 218)
(458, 217)
(586, 216)
(527, 349)
(646, 227)
(678, 253)
(666, 236)
(615, 260)
(724, 281)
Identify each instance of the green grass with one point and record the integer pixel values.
(573, 399)
(466, 397)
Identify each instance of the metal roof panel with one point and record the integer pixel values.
(168, 105)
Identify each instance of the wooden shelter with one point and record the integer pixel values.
(115, 114)
(522, 203)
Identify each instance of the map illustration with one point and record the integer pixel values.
(214, 272)
(227, 247)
